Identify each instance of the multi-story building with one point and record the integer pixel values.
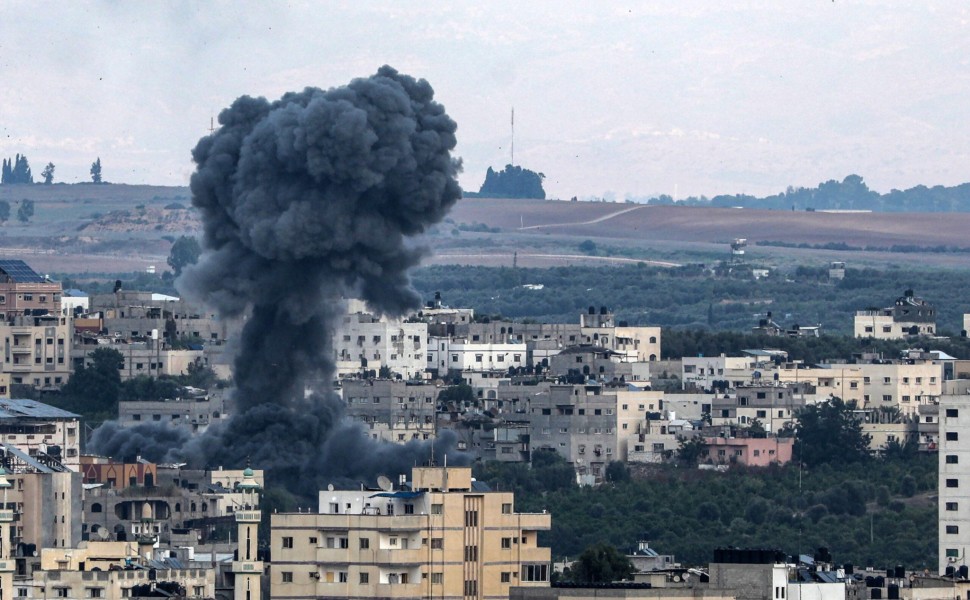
(36, 350)
(749, 451)
(45, 498)
(954, 482)
(443, 536)
(392, 410)
(909, 316)
(194, 412)
(597, 363)
(365, 342)
(41, 431)
(134, 315)
(151, 357)
(24, 292)
(774, 406)
(447, 354)
(903, 384)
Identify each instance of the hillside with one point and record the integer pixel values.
(96, 228)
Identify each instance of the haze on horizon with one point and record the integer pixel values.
(618, 100)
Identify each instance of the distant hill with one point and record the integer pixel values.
(851, 193)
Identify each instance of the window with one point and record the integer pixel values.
(535, 573)
(952, 412)
(506, 543)
(95, 592)
(342, 577)
(364, 543)
(437, 578)
(62, 592)
(507, 508)
(409, 509)
(287, 542)
(952, 483)
(471, 518)
(952, 529)
(952, 436)
(471, 587)
(952, 553)
(287, 576)
(951, 506)
(471, 553)
(506, 577)
(952, 459)
(344, 543)
(436, 509)
(365, 578)
(437, 543)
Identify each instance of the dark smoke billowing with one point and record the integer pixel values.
(304, 201)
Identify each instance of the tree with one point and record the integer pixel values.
(25, 211)
(601, 563)
(185, 251)
(830, 432)
(513, 182)
(588, 247)
(690, 449)
(48, 173)
(96, 171)
(16, 170)
(617, 471)
(93, 390)
(4, 211)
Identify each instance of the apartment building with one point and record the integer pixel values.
(44, 497)
(151, 357)
(596, 363)
(366, 342)
(36, 350)
(441, 536)
(908, 316)
(774, 406)
(134, 316)
(704, 372)
(193, 413)
(749, 451)
(41, 431)
(392, 410)
(904, 384)
(24, 292)
(447, 354)
(954, 482)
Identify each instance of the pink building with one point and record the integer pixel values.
(753, 452)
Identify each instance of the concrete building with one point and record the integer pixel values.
(442, 536)
(905, 384)
(909, 316)
(24, 292)
(151, 357)
(193, 412)
(45, 497)
(42, 432)
(36, 350)
(392, 410)
(134, 315)
(954, 482)
(748, 451)
(458, 355)
(365, 342)
(774, 406)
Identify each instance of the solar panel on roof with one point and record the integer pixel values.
(20, 272)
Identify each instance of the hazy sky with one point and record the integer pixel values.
(610, 99)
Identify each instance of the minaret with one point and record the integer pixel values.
(147, 538)
(6, 560)
(246, 569)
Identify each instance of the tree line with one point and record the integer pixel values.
(17, 171)
(851, 193)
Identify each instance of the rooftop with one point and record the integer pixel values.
(18, 409)
(19, 272)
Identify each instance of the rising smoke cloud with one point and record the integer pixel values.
(305, 201)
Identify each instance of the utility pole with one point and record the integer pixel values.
(513, 138)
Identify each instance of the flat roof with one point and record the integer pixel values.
(17, 409)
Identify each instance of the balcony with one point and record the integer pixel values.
(399, 590)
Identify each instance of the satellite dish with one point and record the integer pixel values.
(384, 483)
(329, 487)
(103, 533)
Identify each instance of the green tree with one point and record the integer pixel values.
(25, 211)
(92, 391)
(513, 182)
(48, 173)
(601, 563)
(617, 471)
(458, 393)
(830, 432)
(16, 170)
(96, 171)
(690, 449)
(588, 247)
(185, 251)
(4, 211)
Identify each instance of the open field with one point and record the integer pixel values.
(88, 228)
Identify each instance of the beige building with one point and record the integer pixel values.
(36, 350)
(444, 536)
(24, 292)
(909, 316)
(43, 432)
(902, 384)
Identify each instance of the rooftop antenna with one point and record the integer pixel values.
(212, 124)
(513, 137)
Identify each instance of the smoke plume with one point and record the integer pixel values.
(304, 201)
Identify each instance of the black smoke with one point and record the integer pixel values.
(305, 201)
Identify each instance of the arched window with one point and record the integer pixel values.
(96, 507)
(653, 339)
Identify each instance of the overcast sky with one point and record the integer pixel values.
(610, 99)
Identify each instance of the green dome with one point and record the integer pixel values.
(246, 473)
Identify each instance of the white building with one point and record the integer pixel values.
(41, 431)
(366, 342)
(447, 354)
(954, 483)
